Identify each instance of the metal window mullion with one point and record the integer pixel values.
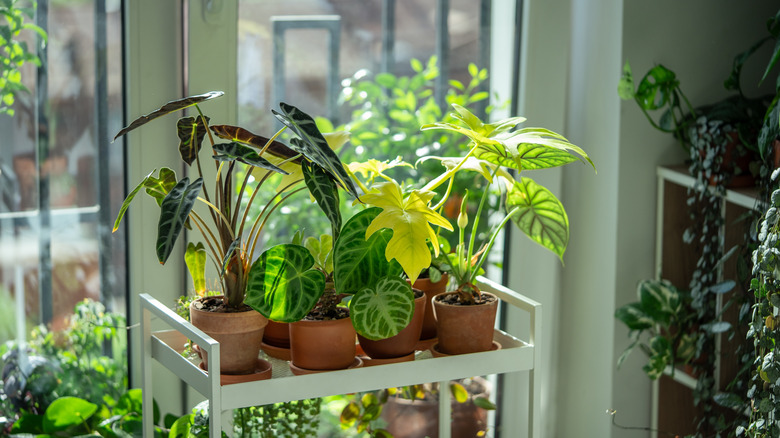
(485, 23)
(515, 103)
(388, 35)
(43, 147)
(442, 52)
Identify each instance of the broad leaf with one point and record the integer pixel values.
(170, 107)
(659, 299)
(325, 192)
(485, 168)
(531, 148)
(656, 88)
(282, 285)
(241, 135)
(195, 259)
(159, 187)
(634, 317)
(410, 218)
(245, 154)
(459, 393)
(359, 261)
(129, 199)
(191, 132)
(313, 145)
(383, 310)
(66, 412)
(174, 211)
(540, 216)
(181, 428)
(322, 251)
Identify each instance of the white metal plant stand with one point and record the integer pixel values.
(166, 347)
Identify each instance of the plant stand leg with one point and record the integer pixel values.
(146, 373)
(445, 409)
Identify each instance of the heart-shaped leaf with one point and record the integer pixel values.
(241, 135)
(156, 187)
(382, 311)
(195, 259)
(325, 192)
(170, 107)
(359, 262)
(66, 412)
(282, 285)
(174, 211)
(245, 154)
(191, 132)
(540, 215)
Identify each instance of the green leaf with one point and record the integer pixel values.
(359, 262)
(191, 132)
(313, 145)
(174, 211)
(66, 412)
(634, 317)
(245, 154)
(657, 88)
(195, 259)
(322, 251)
(485, 403)
(383, 310)
(129, 199)
(532, 148)
(170, 107)
(28, 423)
(349, 415)
(386, 80)
(626, 83)
(459, 393)
(540, 215)
(241, 135)
(282, 285)
(417, 66)
(159, 187)
(181, 428)
(659, 299)
(325, 192)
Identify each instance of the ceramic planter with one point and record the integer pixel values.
(431, 290)
(239, 334)
(465, 329)
(322, 345)
(402, 344)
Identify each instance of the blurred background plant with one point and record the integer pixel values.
(14, 52)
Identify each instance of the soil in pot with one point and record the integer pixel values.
(323, 344)
(431, 289)
(239, 333)
(465, 328)
(402, 344)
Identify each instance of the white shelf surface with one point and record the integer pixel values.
(166, 347)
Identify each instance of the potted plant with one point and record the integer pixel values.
(533, 208)
(229, 238)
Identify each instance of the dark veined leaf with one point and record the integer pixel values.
(245, 154)
(383, 310)
(175, 209)
(282, 285)
(66, 412)
(229, 254)
(241, 135)
(357, 262)
(532, 148)
(156, 187)
(313, 145)
(195, 259)
(540, 215)
(325, 192)
(170, 107)
(634, 317)
(459, 393)
(191, 131)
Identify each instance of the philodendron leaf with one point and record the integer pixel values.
(174, 211)
(170, 107)
(241, 135)
(541, 215)
(325, 192)
(66, 412)
(382, 311)
(191, 132)
(360, 261)
(313, 145)
(532, 148)
(245, 154)
(195, 258)
(634, 317)
(282, 285)
(659, 299)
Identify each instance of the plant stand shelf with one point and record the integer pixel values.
(166, 347)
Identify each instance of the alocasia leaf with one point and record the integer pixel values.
(191, 131)
(383, 310)
(170, 107)
(156, 187)
(241, 135)
(174, 211)
(195, 259)
(540, 215)
(236, 151)
(325, 192)
(410, 218)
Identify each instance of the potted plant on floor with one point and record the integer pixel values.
(230, 239)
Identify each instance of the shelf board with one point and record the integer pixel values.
(743, 196)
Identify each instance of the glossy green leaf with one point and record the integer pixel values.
(659, 299)
(358, 262)
(191, 132)
(383, 310)
(656, 88)
(159, 187)
(634, 317)
(245, 154)
(170, 107)
(128, 200)
(325, 192)
(313, 145)
(229, 254)
(28, 423)
(540, 216)
(66, 412)
(322, 251)
(484, 403)
(181, 428)
(532, 148)
(282, 285)
(459, 393)
(241, 135)
(195, 259)
(174, 211)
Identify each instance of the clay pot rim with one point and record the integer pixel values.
(223, 314)
(438, 297)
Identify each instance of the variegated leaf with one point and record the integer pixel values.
(659, 299)
(282, 285)
(170, 107)
(358, 262)
(634, 317)
(383, 310)
(191, 131)
(245, 154)
(241, 135)
(541, 215)
(532, 148)
(174, 211)
(313, 145)
(325, 192)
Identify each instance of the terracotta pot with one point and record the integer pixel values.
(465, 329)
(420, 418)
(239, 334)
(322, 345)
(404, 342)
(277, 334)
(431, 290)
